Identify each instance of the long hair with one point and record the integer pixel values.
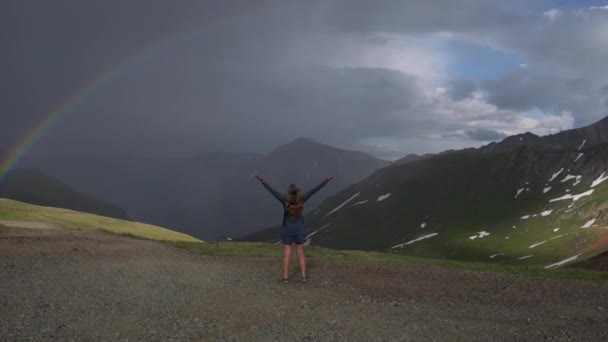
(294, 201)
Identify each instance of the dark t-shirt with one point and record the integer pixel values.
(293, 225)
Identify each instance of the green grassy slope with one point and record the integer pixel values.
(11, 210)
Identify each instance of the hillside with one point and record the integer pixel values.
(14, 211)
(525, 200)
(32, 186)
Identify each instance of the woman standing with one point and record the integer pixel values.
(293, 222)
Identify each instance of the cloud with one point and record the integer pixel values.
(556, 78)
(417, 16)
(599, 8)
(362, 74)
(460, 89)
(553, 14)
(484, 135)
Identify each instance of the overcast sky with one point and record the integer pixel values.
(387, 77)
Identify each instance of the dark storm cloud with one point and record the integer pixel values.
(226, 86)
(51, 48)
(245, 75)
(460, 89)
(526, 89)
(227, 110)
(419, 16)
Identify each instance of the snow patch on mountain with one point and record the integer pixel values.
(569, 177)
(546, 213)
(556, 174)
(316, 231)
(525, 217)
(495, 255)
(545, 190)
(573, 197)
(588, 223)
(383, 197)
(582, 144)
(415, 240)
(343, 203)
(537, 244)
(555, 229)
(525, 257)
(599, 179)
(564, 261)
(519, 191)
(578, 157)
(423, 225)
(480, 235)
(360, 202)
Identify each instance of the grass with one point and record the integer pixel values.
(18, 211)
(261, 249)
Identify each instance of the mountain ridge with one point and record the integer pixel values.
(445, 205)
(34, 187)
(196, 195)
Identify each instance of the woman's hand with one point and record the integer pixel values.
(261, 179)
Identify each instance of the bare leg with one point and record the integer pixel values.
(302, 259)
(286, 256)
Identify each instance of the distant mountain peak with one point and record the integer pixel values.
(304, 141)
(414, 157)
(304, 144)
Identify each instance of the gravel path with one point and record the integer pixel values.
(75, 285)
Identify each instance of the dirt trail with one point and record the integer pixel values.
(29, 224)
(76, 285)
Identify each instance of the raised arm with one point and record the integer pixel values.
(279, 196)
(314, 190)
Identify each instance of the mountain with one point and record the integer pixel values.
(541, 199)
(414, 157)
(249, 207)
(212, 194)
(179, 193)
(32, 186)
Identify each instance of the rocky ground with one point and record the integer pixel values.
(74, 285)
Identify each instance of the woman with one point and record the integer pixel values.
(293, 222)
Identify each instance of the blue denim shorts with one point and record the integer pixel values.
(291, 239)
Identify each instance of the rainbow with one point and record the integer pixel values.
(81, 94)
(35, 133)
